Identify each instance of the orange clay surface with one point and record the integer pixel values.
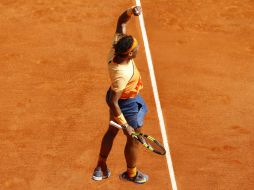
(53, 80)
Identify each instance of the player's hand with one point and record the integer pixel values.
(137, 10)
(127, 129)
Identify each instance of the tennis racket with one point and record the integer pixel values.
(149, 142)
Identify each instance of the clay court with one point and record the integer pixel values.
(54, 78)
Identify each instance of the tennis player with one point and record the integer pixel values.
(127, 107)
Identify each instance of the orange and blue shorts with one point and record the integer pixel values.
(133, 109)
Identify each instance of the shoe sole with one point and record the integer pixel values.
(97, 178)
(100, 178)
(137, 182)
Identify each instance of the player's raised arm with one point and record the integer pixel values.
(125, 17)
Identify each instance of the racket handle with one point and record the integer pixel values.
(114, 124)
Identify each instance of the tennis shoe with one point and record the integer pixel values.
(98, 174)
(140, 178)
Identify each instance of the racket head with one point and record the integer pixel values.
(150, 143)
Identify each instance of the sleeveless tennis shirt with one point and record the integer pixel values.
(124, 76)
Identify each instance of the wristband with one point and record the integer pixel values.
(120, 119)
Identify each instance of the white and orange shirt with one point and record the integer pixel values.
(124, 76)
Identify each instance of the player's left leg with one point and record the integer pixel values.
(131, 155)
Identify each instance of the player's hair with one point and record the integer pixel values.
(123, 45)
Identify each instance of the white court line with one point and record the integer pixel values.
(157, 100)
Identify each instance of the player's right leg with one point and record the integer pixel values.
(101, 171)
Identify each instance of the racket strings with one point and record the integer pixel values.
(149, 142)
(154, 145)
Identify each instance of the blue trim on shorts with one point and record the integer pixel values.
(134, 110)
